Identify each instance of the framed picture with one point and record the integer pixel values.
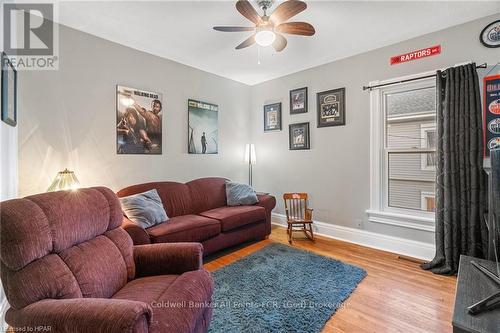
(299, 136)
(298, 101)
(491, 113)
(9, 91)
(272, 117)
(331, 107)
(138, 121)
(203, 128)
(490, 36)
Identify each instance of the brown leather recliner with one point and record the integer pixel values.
(67, 266)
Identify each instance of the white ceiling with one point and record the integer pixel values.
(182, 31)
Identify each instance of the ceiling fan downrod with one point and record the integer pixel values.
(265, 5)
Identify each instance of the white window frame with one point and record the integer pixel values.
(423, 198)
(379, 211)
(424, 128)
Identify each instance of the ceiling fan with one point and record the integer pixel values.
(268, 30)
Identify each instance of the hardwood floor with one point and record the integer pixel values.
(396, 296)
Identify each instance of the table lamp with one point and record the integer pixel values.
(65, 180)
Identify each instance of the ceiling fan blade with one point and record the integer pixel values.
(234, 29)
(279, 43)
(247, 10)
(286, 10)
(247, 42)
(296, 28)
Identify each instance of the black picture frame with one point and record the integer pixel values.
(272, 117)
(490, 26)
(330, 107)
(9, 110)
(294, 93)
(294, 130)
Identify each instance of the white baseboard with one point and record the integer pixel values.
(374, 240)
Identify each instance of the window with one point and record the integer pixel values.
(428, 201)
(428, 140)
(403, 154)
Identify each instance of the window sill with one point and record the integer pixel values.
(402, 220)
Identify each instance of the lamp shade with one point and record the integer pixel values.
(65, 180)
(250, 156)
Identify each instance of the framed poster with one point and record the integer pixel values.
(272, 117)
(203, 128)
(331, 107)
(9, 91)
(491, 113)
(299, 138)
(298, 101)
(138, 121)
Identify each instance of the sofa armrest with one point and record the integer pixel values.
(82, 315)
(167, 258)
(266, 201)
(136, 232)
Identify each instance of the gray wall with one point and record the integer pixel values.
(67, 117)
(336, 171)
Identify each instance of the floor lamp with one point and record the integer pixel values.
(251, 159)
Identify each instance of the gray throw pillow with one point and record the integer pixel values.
(240, 194)
(145, 208)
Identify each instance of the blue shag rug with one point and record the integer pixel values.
(280, 289)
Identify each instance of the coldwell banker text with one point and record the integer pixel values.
(30, 36)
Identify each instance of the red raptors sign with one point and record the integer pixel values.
(430, 51)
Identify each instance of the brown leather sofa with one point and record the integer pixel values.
(197, 212)
(67, 266)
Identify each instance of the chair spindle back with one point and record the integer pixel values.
(295, 206)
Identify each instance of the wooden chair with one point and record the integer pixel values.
(298, 215)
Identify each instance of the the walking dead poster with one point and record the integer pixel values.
(138, 121)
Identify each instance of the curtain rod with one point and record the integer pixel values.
(485, 65)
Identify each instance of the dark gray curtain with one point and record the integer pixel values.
(460, 179)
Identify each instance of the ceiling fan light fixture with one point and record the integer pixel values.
(265, 37)
(269, 29)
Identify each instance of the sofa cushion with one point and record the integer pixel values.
(145, 209)
(178, 301)
(176, 197)
(236, 216)
(207, 193)
(74, 216)
(98, 266)
(185, 228)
